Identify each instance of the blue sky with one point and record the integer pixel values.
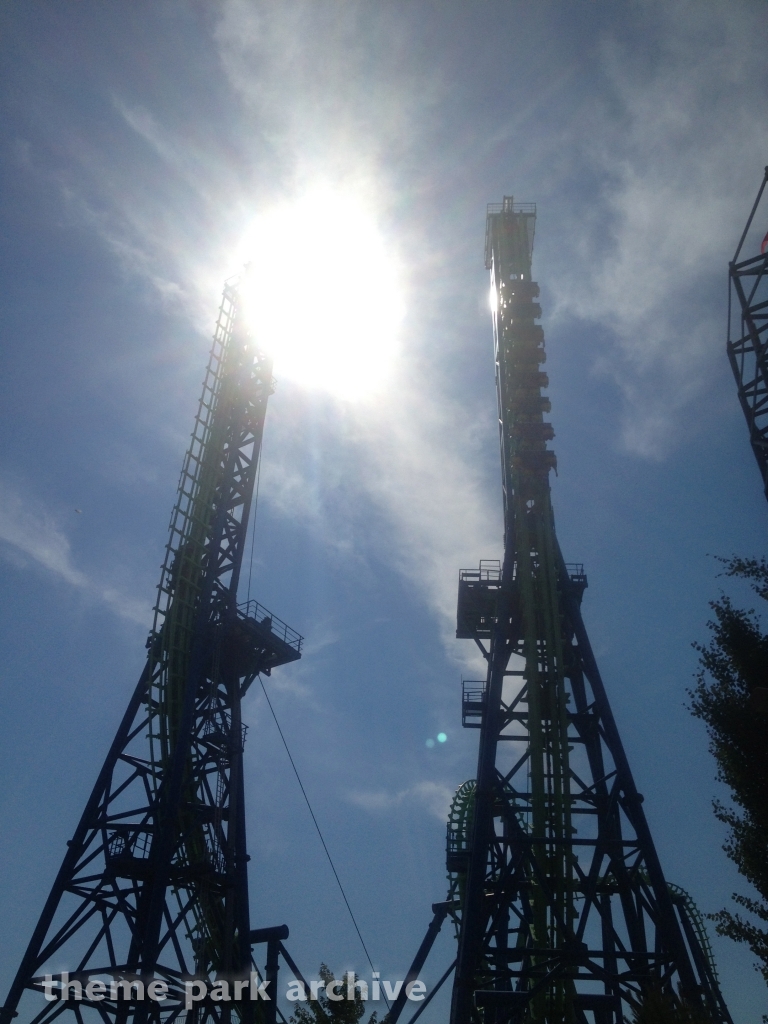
(138, 142)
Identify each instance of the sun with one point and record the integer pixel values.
(322, 293)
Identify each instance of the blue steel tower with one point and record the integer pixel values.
(154, 883)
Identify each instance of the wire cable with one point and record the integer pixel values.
(314, 819)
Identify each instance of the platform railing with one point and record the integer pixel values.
(264, 617)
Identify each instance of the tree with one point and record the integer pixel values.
(731, 698)
(659, 1007)
(328, 1011)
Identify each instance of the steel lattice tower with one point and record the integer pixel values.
(562, 912)
(154, 884)
(748, 338)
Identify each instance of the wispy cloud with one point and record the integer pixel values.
(314, 83)
(315, 100)
(313, 80)
(29, 531)
(676, 144)
(421, 471)
(395, 481)
(433, 796)
(669, 144)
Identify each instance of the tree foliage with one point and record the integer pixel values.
(329, 1011)
(730, 697)
(661, 1007)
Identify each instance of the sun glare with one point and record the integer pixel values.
(322, 295)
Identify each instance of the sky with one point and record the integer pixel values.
(147, 150)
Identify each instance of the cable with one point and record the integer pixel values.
(330, 861)
(253, 526)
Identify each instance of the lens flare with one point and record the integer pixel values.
(322, 293)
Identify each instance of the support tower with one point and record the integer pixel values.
(562, 911)
(154, 883)
(748, 337)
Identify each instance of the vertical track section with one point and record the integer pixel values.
(562, 911)
(154, 884)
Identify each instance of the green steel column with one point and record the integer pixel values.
(531, 543)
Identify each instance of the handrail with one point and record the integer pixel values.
(264, 617)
